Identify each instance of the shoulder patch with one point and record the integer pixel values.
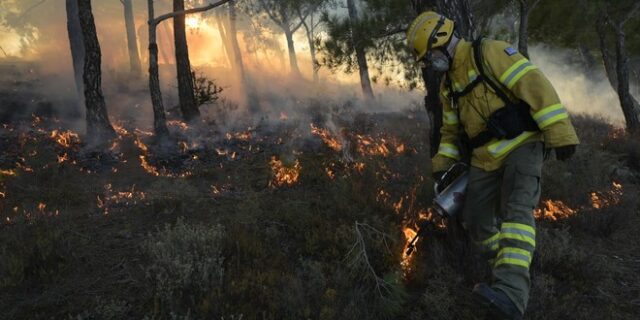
(510, 51)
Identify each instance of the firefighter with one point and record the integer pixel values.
(503, 111)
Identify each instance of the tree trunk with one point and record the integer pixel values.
(309, 28)
(361, 57)
(77, 47)
(293, 61)
(98, 126)
(132, 41)
(460, 12)
(186, 95)
(630, 106)
(232, 35)
(523, 33)
(159, 117)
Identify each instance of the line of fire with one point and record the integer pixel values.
(260, 159)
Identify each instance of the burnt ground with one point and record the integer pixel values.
(272, 220)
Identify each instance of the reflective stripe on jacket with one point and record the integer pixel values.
(519, 79)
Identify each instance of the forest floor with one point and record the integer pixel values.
(302, 217)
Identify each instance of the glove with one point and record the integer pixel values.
(565, 152)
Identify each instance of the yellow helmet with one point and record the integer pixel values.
(428, 31)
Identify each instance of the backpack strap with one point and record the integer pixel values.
(479, 60)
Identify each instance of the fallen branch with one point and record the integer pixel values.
(359, 257)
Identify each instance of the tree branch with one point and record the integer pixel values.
(272, 16)
(5, 53)
(629, 14)
(170, 15)
(24, 14)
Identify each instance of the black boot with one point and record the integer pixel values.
(497, 302)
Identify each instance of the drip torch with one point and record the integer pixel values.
(449, 198)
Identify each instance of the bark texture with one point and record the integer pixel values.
(361, 57)
(98, 125)
(132, 41)
(77, 46)
(460, 12)
(159, 117)
(186, 95)
(526, 6)
(617, 68)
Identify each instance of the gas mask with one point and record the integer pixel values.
(437, 61)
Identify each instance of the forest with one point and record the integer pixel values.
(271, 159)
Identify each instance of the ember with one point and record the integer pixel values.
(326, 137)
(612, 197)
(284, 175)
(368, 146)
(554, 210)
(10, 173)
(65, 138)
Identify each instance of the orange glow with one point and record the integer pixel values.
(65, 138)
(612, 197)
(325, 135)
(407, 259)
(554, 210)
(10, 173)
(284, 175)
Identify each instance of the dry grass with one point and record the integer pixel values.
(156, 248)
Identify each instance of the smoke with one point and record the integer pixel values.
(592, 95)
(267, 71)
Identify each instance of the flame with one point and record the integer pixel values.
(65, 138)
(369, 146)
(179, 124)
(398, 205)
(612, 197)
(10, 173)
(324, 134)
(330, 173)
(41, 207)
(409, 234)
(554, 210)
(244, 135)
(63, 158)
(284, 175)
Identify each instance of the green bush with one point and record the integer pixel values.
(185, 269)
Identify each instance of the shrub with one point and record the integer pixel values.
(185, 268)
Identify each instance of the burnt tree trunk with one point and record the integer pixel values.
(617, 69)
(361, 57)
(293, 60)
(132, 41)
(98, 125)
(460, 12)
(232, 35)
(185, 78)
(309, 29)
(630, 106)
(159, 117)
(77, 46)
(526, 6)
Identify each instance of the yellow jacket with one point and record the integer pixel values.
(518, 78)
